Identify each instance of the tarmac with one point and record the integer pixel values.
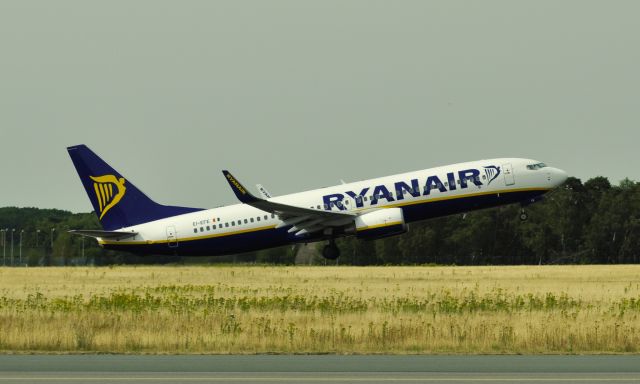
(318, 369)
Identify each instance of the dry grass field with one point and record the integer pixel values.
(264, 309)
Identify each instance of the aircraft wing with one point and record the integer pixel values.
(113, 235)
(303, 220)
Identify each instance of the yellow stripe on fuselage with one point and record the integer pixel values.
(195, 238)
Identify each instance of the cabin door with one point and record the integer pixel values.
(172, 237)
(509, 178)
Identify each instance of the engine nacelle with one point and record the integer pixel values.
(380, 223)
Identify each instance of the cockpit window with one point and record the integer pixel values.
(533, 167)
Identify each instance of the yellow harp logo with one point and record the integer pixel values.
(109, 191)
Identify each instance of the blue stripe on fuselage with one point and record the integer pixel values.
(272, 237)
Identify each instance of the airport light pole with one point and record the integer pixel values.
(37, 234)
(12, 231)
(51, 254)
(4, 246)
(20, 248)
(4, 251)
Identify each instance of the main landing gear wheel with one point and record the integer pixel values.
(523, 215)
(331, 251)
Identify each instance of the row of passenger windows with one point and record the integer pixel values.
(233, 223)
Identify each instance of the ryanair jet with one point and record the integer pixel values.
(369, 209)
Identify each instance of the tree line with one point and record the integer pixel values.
(580, 223)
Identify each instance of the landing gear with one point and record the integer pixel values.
(331, 251)
(523, 215)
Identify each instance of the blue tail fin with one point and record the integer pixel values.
(116, 201)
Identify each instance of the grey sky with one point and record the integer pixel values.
(298, 94)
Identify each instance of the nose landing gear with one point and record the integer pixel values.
(523, 215)
(331, 251)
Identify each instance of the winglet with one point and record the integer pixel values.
(241, 192)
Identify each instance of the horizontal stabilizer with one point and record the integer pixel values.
(114, 235)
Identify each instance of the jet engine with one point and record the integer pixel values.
(381, 223)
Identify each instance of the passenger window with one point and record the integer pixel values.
(347, 202)
(365, 198)
(251, 219)
(214, 226)
(326, 206)
(195, 230)
(446, 183)
(258, 218)
(226, 225)
(390, 194)
(233, 223)
(201, 229)
(266, 217)
(273, 216)
(318, 207)
(245, 221)
(208, 228)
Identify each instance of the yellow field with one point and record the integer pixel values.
(258, 309)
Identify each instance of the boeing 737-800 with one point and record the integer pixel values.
(369, 209)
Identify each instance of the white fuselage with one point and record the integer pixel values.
(421, 195)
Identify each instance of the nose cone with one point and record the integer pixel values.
(557, 176)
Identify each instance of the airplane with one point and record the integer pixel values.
(369, 209)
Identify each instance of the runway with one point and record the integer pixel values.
(168, 369)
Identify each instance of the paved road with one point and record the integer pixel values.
(317, 369)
